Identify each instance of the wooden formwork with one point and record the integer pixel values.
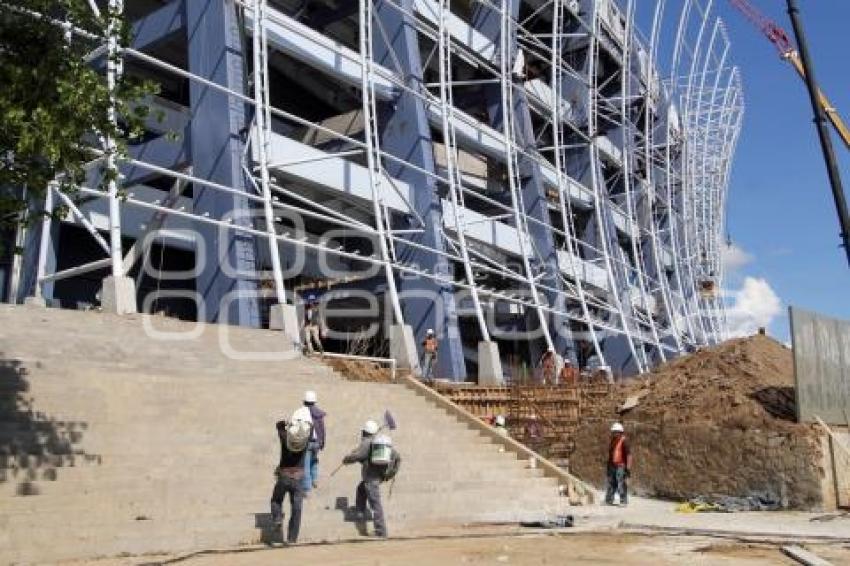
(544, 417)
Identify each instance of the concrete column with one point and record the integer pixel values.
(489, 364)
(285, 317)
(27, 290)
(228, 282)
(34, 301)
(403, 348)
(118, 295)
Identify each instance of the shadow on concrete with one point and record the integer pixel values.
(350, 515)
(33, 445)
(269, 533)
(780, 402)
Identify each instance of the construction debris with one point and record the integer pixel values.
(358, 370)
(729, 504)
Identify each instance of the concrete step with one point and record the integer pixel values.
(182, 436)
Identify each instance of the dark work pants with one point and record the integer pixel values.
(617, 483)
(370, 490)
(286, 484)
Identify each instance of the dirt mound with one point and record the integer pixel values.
(719, 422)
(744, 383)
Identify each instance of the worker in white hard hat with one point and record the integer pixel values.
(294, 436)
(429, 354)
(500, 425)
(379, 462)
(619, 465)
(316, 444)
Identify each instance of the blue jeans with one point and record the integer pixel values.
(617, 483)
(428, 359)
(311, 468)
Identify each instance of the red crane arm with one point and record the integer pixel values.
(768, 27)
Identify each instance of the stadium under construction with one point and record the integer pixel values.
(518, 175)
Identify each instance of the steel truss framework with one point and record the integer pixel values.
(501, 152)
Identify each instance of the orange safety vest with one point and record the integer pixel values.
(619, 451)
(431, 345)
(569, 374)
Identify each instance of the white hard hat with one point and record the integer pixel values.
(430, 331)
(302, 414)
(310, 397)
(371, 427)
(617, 427)
(500, 420)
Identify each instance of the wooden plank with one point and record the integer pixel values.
(804, 557)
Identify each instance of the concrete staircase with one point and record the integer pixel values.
(114, 441)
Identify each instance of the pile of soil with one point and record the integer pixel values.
(742, 383)
(718, 423)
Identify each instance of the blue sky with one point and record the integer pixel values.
(780, 209)
(781, 215)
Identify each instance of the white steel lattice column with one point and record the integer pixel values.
(262, 124)
(598, 196)
(455, 184)
(514, 182)
(373, 153)
(628, 133)
(560, 157)
(652, 102)
(114, 69)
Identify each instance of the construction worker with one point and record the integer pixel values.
(547, 367)
(316, 443)
(294, 436)
(500, 425)
(619, 465)
(379, 462)
(569, 373)
(312, 325)
(429, 355)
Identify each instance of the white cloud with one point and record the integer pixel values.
(754, 305)
(735, 257)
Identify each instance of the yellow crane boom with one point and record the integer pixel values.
(829, 109)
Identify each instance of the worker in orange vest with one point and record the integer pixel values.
(619, 465)
(569, 373)
(429, 355)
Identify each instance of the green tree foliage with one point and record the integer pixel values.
(53, 102)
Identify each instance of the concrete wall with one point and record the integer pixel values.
(679, 462)
(821, 367)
